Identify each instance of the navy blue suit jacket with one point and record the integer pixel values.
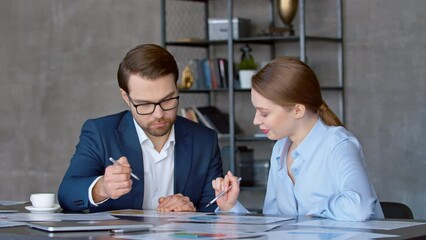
(197, 163)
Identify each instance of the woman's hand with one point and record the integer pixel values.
(229, 199)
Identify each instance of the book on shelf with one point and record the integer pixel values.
(207, 74)
(214, 73)
(223, 71)
(190, 40)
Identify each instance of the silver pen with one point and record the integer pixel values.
(221, 194)
(115, 162)
(128, 230)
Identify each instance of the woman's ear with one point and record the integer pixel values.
(299, 110)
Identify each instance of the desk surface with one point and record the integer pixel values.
(23, 232)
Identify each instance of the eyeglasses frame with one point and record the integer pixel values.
(155, 104)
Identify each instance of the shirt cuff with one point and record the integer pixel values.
(238, 208)
(91, 196)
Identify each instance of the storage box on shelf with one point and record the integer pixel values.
(219, 28)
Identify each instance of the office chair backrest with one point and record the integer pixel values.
(396, 210)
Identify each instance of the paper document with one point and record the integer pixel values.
(235, 228)
(152, 213)
(190, 235)
(321, 234)
(10, 203)
(236, 219)
(50, 217)
(373, 224)
(6, 223)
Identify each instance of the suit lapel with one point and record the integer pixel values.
(183, 156)
(131, 149)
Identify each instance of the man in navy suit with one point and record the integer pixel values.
(174, 158)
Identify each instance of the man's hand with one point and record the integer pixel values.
(115, 182)
(175, 203)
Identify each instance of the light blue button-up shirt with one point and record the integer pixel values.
(331, 180)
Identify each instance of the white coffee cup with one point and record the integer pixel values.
(43, 200)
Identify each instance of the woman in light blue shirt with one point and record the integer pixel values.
(317, 166)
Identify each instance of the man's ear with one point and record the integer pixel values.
(125, 96)
(299, 110)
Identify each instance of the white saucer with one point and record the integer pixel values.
(43, 210)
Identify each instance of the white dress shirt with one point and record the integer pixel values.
(158, 170)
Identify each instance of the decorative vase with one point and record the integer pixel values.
(287, 9)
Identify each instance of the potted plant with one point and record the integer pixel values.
(247, 67)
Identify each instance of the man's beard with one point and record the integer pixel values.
(159, 132)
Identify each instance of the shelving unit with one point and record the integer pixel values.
(272, 42)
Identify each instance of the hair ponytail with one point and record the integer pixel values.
(328, 116)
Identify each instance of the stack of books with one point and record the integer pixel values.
(209, 73)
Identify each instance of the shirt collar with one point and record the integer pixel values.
(281, 144)
(308, 146)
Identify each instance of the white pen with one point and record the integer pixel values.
(115, 162)
(221, 194)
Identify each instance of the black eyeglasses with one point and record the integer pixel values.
(149, 108)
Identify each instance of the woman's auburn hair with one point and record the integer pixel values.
(288, 81)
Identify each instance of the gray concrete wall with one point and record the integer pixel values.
(386, 85)
(58, 61)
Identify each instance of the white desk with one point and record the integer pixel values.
(23, 232)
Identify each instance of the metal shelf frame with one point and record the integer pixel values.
(302, 38)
